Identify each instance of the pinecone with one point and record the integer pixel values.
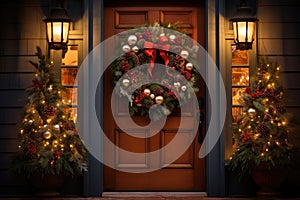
(49, 111)
(172, 60)
(280, 109)
(158, 91)
(268, 93)
(142, 58)
(262, 128)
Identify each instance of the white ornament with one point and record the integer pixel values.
(56, 127)
(159, 99)
(132, 39)
(183, 88)
(152, 96)
(251, 112)
(126, 48)
(184, 54)
(125, 82)
(189, 66)
(172, 37)
(147, 92)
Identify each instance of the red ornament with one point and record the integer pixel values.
(36, 83)
(248, 90)
(246, 137)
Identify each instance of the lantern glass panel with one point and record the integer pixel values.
(242, 29)
(59, 29)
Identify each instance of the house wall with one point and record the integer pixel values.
(22, 30)
(279, 40)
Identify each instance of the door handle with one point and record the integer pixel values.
(201, 120)
(200, 126)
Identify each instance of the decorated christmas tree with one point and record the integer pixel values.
(48, 140)
(262, 131)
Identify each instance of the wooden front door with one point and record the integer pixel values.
(188, 172)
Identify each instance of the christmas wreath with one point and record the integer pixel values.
(143, 51)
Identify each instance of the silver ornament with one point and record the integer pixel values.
(132, 39)
(172, 37)
(184, 54)
(126, 48)
(56, 127)
(183, 88)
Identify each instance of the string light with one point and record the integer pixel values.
(21, 131)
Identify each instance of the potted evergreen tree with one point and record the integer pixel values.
(261, 134)
(49, 147)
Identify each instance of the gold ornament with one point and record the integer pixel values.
(251, 112)
(47, 135)
(177, 85)
(135, 49)
(152, 96)
(125, 82)
(189, 66)
(147, 92)
(159, 99)
(126, 48)
(132, 39)
(184, 54)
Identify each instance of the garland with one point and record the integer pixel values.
(148, 46)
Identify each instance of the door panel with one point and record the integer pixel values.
(187, 173)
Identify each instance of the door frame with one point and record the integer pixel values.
(215, 164)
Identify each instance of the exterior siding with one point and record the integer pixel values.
(24, 30)
(279, 39)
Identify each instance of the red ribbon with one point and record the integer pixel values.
(151, 51)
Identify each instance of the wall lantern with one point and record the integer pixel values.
(244, 27)
(57, 28)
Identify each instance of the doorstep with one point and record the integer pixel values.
(156, 195)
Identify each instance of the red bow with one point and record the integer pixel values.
(151, 51)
